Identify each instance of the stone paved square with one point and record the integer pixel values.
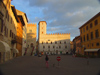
(33, 65)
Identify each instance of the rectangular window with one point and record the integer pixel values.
(11, 20)
(81, 39)
(65, 42)
(92, 44)
(97, 44)
(10, 33)
(42, 42)
(96, 22)
(83, 29)
(87, 37)
(6, 14)
(60, 42)
(43, 46)
(91, 35)
(59, 46)
(65, 46)
(14, 36)
(91, 25)
(86, 27)
(53, 46)
(84, 37)
(8, 17)
(46, 42)
(55, 42)
(96, 33)
(1, 25)
(48, 46)
(51, 42)
(5, 31)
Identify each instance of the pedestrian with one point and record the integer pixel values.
(25, 53)
(46, 59)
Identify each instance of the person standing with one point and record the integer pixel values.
(46, 59)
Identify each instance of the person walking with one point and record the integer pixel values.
(46, 59)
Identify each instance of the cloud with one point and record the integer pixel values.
(99, 1)
(63, 16)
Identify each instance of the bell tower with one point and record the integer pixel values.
(41, 32)
(42, 28)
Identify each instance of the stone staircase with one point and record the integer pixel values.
(28, 53)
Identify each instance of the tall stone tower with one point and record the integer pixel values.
(31, 38)
(41, 32)
(42, 28)
(52, 43)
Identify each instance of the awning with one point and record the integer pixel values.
(4, 47)
(15, 50)
(91, 50)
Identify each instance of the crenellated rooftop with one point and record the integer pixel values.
(31, 24)
(59, 34)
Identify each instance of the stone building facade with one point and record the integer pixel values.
(8, 22)
(31, 38)
(78, 45)
(71, 46)
(52, 43)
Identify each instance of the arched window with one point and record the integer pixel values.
(65, 42)
(42, 42)
(48, 46)
(59, 46)
(60, 42)
(46, 42)
(43, 46)
(53, 46)
(55, 42)
(96, 22)
(65, 46)
(42, 32)
(51, 42)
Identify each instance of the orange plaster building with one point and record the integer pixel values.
(90, 36)
(78, 45)
(20, 25)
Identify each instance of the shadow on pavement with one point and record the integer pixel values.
(99, 73)
(1, 73)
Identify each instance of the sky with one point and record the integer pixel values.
(62, 16)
